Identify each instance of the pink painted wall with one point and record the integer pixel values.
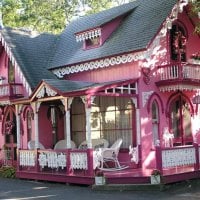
(193, 44)
(158, 54)
(3, 66)
(119, 72)
(108, 28)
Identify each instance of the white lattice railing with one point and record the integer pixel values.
(52, 159)
(27, 158)
(79, 160)
(178, 157)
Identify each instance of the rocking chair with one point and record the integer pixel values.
(110, 155)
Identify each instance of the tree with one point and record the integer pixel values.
(195, 10)
(49, 15)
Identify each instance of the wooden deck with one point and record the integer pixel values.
(126, 176)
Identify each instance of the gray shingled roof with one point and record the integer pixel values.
(68, 86)
(65, 86)
(135, 32)
(35, 55)
(31, 53)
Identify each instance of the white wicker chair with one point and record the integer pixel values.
(110, 155)
(31, 145)
(62, 144)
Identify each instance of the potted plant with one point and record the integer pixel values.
(99, 178)
(155, 176)
(196, 57)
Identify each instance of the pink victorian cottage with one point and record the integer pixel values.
(116, 93)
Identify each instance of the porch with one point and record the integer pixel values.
(79, 166)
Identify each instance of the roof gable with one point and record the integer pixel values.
(31, 53)
(134, 33)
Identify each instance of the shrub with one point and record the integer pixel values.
(7, 172)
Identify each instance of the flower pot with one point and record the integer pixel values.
(155, 179)
(196, 61)
(100, 180)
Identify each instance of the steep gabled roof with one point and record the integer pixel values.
(31, 53)
(99, 19)
(135, 32)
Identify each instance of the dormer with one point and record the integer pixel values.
(95, 36)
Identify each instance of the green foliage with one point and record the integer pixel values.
(49, 15)
(7, 172)
(195, 10)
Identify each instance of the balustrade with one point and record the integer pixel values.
(179, 71)
(11, 90)
(50, 159)
(178, 157)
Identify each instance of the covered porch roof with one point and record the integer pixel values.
(51, 89)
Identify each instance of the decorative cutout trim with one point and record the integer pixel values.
(88, 34)
(46, 90)
(103, 63)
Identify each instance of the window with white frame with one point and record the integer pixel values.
(112, 118)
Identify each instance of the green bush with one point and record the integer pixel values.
(7, 172)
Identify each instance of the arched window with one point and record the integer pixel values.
(178, 41)
(155, 122)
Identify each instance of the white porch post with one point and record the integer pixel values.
(67, 103)
(87, 103)
(35, 107)
(18, 111)
(138, 122)
(138, 126)
(88, 128)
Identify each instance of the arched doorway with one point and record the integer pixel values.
(10, 135)
(180, 121)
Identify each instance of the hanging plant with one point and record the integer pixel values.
(179, 42)
(196, 56)
(9, 125)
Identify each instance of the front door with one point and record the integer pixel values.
(10, 146)
(181, 121)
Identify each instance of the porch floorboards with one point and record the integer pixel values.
(126, 176)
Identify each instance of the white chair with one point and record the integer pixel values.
(96, 144)
(31, 145)
(62, 144)
(110, 155)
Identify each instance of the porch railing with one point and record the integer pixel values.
(179, 71)
(178, 156)
(60, 161)
(11, 90)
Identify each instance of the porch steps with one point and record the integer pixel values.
(184, 184)
(129, 187)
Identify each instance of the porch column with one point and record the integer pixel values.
(67, 103)
(138, 122)
(18, 112)
(36, 106)
(138, 126)
(87, 102)
(88, 128)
